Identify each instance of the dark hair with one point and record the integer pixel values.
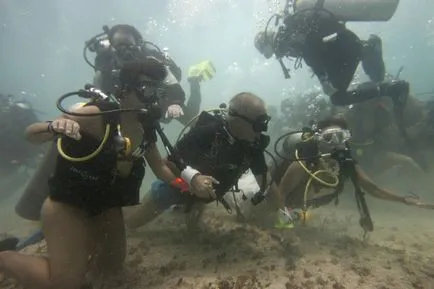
(333, 121)
(126, 28)
(150, 67)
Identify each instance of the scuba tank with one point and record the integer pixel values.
(352, 10)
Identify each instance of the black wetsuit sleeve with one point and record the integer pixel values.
(258, 165)
(195, 98)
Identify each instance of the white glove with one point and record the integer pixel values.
(174, 111)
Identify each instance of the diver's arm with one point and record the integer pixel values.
(272, 190)
(159, 165)
(259, 169)
(97, 79)
(192, 106)
(371, 188)
(41, 132)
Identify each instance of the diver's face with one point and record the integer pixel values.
(333, 138)
(125, 46)
(249, 126)
(123, 38)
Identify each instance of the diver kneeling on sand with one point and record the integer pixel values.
(99, 169)
(217, 150)
(313, 168)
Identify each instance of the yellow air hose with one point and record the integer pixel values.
(313, 176)
(88, 157)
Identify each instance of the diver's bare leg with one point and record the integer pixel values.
(66, 231)
(111, 238)
(140, 215)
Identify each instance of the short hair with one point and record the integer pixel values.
(126, 28)
(241, 99)
(333, 121)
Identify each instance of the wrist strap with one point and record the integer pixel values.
(180, 184)
(188, 174)
(50, 127)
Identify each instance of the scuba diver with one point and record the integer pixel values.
(16, 154)
(100, 165)
(123, 43)
(15, 116)
(218, 149)
(313, 168)
(315, 32)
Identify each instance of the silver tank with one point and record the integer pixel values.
(286, 149)
(353, 10)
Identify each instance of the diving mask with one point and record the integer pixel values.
(334, 136)
(127, 52)
(259, 124)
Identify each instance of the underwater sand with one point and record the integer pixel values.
(328, 252)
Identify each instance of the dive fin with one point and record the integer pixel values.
(204, 70)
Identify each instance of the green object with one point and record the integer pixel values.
(204, 70)
(283, 225)
(283, 222)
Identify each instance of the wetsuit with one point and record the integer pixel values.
(95, 185)
(334, 52)
(210, 149)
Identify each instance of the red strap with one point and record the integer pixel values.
(180, 184)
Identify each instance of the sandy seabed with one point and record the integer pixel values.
(328, 252)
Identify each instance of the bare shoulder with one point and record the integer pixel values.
(86, 109)
(90, 123)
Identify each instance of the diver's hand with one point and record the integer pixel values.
(67, 127)
(202, 186)
(174, 111)
(413, 200)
